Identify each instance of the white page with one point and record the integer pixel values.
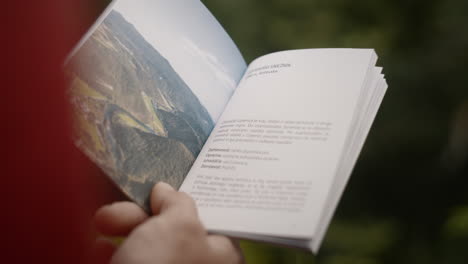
(360, 130)
(313, 91)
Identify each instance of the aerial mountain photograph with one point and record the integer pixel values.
(134, 115)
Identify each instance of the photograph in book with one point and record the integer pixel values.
(139, 115)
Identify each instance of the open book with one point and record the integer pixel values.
(161, 93)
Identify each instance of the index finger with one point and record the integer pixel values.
(119, 218)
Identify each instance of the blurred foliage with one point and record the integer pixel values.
(407, 200)
(457, 223)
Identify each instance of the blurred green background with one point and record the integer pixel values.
(407, 200)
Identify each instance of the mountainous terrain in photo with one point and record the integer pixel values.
(136, 118)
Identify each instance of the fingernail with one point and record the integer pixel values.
(164, 186)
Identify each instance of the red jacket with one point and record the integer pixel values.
(46, 200)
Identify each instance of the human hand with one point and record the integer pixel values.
(173, 235)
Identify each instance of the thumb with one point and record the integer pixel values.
(166, 200)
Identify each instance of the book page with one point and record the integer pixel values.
(270, 162)
(148, 83)
(362, 127)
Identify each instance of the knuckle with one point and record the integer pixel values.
(185, 198)
(225, 249)
(190, 226)
(148, 230)
(142, 231)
